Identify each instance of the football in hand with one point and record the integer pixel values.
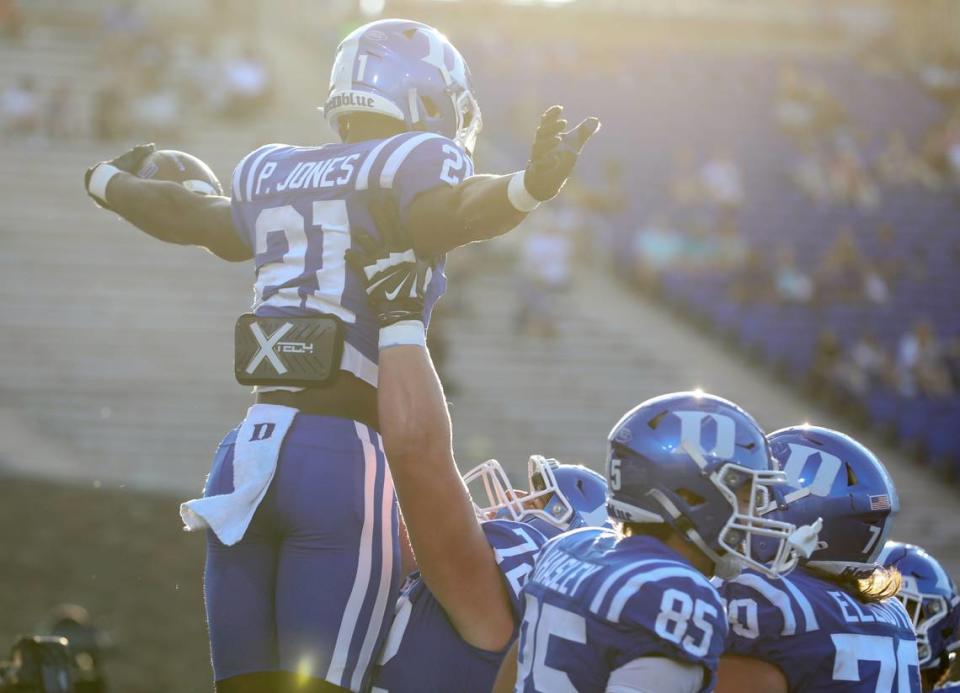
(183, 168)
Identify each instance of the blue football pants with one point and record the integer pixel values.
(311, 586)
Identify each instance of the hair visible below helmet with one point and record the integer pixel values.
(407, 71)
(692, 460)
(571, 495)
(833, 477)
(930, 597)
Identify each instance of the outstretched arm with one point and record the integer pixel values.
(452, 552)
(163, 209)
(486, 206)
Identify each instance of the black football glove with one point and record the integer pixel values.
(396, 281)
(555, 153)
(130, 162)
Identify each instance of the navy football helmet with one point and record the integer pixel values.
(833, 477)
(407, 71)
(930, 597)
(561, 496)
(701, 464)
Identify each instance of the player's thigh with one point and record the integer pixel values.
(239, 587)
(338, 570)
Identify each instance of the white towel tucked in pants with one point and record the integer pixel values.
(254, 463)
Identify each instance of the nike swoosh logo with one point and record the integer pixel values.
(391, 295)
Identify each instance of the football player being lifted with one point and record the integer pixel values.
(930, 597)
(832, 624)
(633, 610)
(302, 562)
(456, 618)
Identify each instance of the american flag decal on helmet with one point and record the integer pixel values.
(880, 502)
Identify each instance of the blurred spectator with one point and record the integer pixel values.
(124, 26)
(685, 187)
(810, 174)
(846, 275)
(951, 356)
(202, 78)
(20, 108)
(826, 356)
(110, 114)
(921, 366)
(156, 108)
(656, 247)
(754, 282)
(721, 180)
(58, 116)
(544, 272)
(11, 20)
(246, 84)
(791, 283)
(898, 166)
(805, 108)
(865, 366)
(795, 107)
(722, 247)
(849, 179)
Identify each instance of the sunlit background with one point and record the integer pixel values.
(770, 212)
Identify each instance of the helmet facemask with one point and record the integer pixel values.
(925, 611)
(748, 540)
(469, 121)
(543, 501)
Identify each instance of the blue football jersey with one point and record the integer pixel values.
(597, 601)
(295, 208)
(424, 653)
(820, 636)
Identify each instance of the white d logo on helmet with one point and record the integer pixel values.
(826, 473)
(691, 427)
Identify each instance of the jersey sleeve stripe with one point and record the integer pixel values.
(809, 618)
(363, 176)
(633, 585)
(597, 603)
(235, 192)
(779, 599)
(400, 154)
(252, 171)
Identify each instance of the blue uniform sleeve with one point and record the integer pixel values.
(515, 546)
(422, 162)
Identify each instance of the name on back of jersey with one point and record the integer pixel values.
(309, 175)
(562, 572)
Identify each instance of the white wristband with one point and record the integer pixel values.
(517, 193)
(403, 333)
(101, 176)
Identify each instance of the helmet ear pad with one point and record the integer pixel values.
(704, 510)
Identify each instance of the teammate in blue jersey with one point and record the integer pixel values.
(297, 584)
(633, 610)
(424, 652)
(832, 624)
(458, 615)
(930, 597)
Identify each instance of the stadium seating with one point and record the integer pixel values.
(668, 102)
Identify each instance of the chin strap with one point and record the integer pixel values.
(804, 539)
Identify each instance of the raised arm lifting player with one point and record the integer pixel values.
(456, 618)
(302, 553)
